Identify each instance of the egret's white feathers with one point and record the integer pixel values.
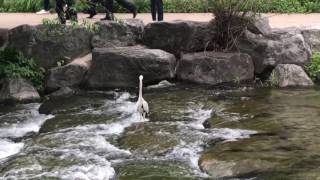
(142, 105)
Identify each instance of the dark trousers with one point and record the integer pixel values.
(46, 4)
(157, 7)
(93, 6)
(124, 3)
(70, 13)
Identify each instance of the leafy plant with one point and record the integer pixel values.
(54, 24)
(14, 65)
(232, 17)
(313, 69)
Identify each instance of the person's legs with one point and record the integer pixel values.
(108, 4)
(160, 10)
(153, 10)
(71, 11)
(45, 9)
(46, 5)
(128, 5)
(92, 8)
(59, 9)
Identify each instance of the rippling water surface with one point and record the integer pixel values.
(191, 133)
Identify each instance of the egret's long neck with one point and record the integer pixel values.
(140, 89)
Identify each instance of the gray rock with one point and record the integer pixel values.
(49, 45)
(312, 37)
(118, 34)
(260, 25)
(178, 36)
(256, 23)
(3, 37)
(279, 47)
(18, 90)
(290, 75)
(70, 75)
(120, 67)
(136, 26)
(214, 68)
(63, 92)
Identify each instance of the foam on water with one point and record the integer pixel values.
(9, 148)
(190, 150)
(89, 144)
(17, 124)
(26, 120)
(162, 84)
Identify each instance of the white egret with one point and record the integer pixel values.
(142, 105)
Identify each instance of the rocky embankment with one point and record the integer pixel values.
(114, 56)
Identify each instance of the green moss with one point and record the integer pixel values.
(153, 170)
(148, 138)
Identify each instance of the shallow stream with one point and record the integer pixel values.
(191, 133)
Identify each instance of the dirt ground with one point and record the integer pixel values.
(10, 20)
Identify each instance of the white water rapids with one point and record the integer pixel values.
(88, 149)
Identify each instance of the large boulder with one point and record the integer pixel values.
(312, 37)
(17, 90)
(278, 47)
(178, 36)
(48, 45)
(288, 75)
(118, 34)
(70, 75)
(214, 68)
(120, 67)
(259, 25)
(3, 37)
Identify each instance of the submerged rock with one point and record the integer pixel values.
(120, 67)
(214, 68)
(72, 104)
(150, 169)
(278, 47)
(248, 157)
(151, 139)
(178, 36)
(18, 90)
(63, 92)
(161, 84)
(70, 75)
(290, 75)
(118, 34)
(48, 45)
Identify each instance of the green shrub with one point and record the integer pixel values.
(14, 65)
(313, 69)
(232, 17)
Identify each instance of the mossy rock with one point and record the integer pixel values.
(174, 105)
(153, 170)
(259, 154)
(63, 121)
(150, 138)
(73, 104)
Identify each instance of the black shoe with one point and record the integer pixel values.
(91, 15)
(106, 19)
(135, 14)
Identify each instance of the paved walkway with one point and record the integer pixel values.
(10, 20)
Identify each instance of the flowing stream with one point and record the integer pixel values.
(191, 133)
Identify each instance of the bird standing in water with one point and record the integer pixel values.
(142, 105)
